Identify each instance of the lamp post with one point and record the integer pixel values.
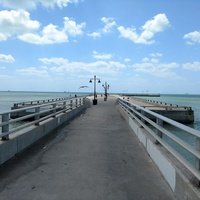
(95, 94)
(106, 88)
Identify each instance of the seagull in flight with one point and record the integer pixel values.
(83, 86)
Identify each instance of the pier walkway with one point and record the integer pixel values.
(95, 157)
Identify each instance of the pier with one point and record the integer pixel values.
(182, 114)
(141, 94)
(107, 152)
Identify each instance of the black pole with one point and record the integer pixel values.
(94, 86)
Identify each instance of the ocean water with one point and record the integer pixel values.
(8, 98)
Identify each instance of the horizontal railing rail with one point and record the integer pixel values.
(37, 102)
(157, 130)
(35, 114)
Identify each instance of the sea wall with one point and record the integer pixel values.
(182, 116)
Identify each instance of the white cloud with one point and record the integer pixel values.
(13, 23)
(194, 66)
(4, 76)
(6, 58)
(156, 55)
(52, 34)
(156, 68)
(94, 35)
(18, 23)
(109, 24)
(192, 37)
(151, 60)
(158, 24)
(127, 60)
(101, 56)
(59, 3)
(154, 58)
(62, 66)
(54, 61)
(72, 28)
(3, 37)
(128, 33)
(49, 35)
(33, 71)
(32, 4)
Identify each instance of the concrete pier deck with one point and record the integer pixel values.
(95, 157)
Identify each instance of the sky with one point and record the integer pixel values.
(136, 46)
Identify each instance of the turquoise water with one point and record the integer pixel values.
(7, 99)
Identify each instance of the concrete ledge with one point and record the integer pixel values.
(8, 149)
(22, 139)
(183, 188)
(164, 165)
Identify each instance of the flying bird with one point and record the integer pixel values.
(83, 86)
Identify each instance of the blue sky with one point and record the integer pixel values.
(134, 45)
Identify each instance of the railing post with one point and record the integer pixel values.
(83, 101)
(143, 113)
(37, 116)
(71, 104)
(159, 133)
(5, 128)
(197, 161)
(64, 105)
(76, 102)
(54, 109)
(15, 106)
(80, 102)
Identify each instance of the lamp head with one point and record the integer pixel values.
(90, 81)
(99, 81)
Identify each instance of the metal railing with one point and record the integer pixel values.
(37, 102)
(35, 114)
(158, 131)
